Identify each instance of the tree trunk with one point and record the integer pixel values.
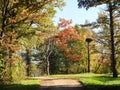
(88, 58)
(28, 63)
(66, 66)
(113, 60)
(48, 53)
(48, 65)
(10, 65)
(97, 68)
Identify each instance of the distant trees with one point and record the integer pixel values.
(69, 52)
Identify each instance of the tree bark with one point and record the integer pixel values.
(113, 59)
(28, 62)
(48, 53)
(88, 58)
(48, 65)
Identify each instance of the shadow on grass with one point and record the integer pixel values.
(101, 87)
(101, 83)
(19, 87)
(108, 83)
(61, 88)
(106, 78)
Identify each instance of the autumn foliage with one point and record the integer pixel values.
(16, 25)
(65, 39)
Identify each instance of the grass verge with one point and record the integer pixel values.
(101, 82)
(93, 81)
(28, 84)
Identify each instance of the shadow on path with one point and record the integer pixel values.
(61, 88)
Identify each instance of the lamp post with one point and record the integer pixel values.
(88, 40)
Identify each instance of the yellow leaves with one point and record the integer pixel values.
(0, 12)
(17, 16)
(8, 42)
(30, 42)
(14, 60)
(0, 29)
(59, 3)
(9, 60)
(24, 13)
(13, 1)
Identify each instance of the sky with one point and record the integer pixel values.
(78, 15)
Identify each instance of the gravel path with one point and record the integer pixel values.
(60, 84)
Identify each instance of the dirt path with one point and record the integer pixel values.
(60, 84)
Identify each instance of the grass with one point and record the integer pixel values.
(93, 81)
(101, 82)
(28, 84)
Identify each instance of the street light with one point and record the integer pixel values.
(88, 40)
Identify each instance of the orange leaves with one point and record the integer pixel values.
(10, 60)
(74, 57)
(14, 1)
(64, 23)
(68, 31)
(65, 39)
(63, 46)
(12, 20)
(67, 34)
(14, 60)
(68, 50)
(9, 42)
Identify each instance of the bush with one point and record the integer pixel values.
(13, 73)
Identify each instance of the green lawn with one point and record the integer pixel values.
(95, 81)
(28, 84)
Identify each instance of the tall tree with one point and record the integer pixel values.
(103, 36)
(16, 17)
(112, 5)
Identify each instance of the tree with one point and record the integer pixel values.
(86, 33)
(16, 19)
(27, 44)
(68, 41)
(37, 35)
(103, 36)
(66, 38)
(112, 5)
